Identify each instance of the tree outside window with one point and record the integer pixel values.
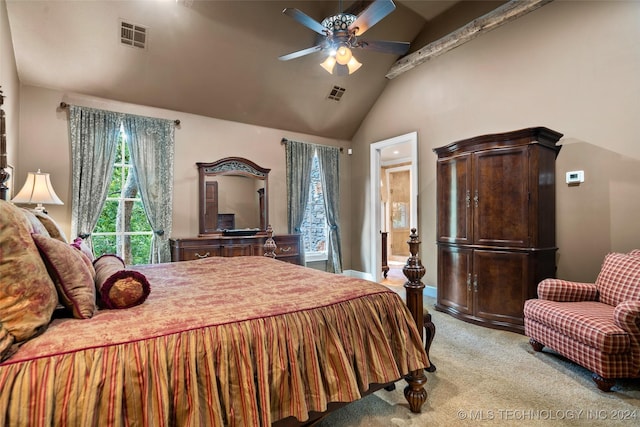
(123, 228)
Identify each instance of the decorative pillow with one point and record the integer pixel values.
(36, 226)
(70, 273)
(82, 246)
(52, 227)
(118, 287)
(635, 252)
(619, 279)
(27, 294)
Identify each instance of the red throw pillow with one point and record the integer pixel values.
(71, 275)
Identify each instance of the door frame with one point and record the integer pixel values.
(375, 261)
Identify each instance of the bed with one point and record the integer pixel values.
(245, 341)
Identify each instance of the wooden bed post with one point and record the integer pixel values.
(270, 245)
(4, 174)
(415, 393)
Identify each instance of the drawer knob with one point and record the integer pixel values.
(287, 249)
(202, 256)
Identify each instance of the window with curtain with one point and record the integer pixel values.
(122, 168)
(123, 227)
(300, 159)
(314, 228)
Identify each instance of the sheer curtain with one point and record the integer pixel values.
(329, 161)
(94, 137)
(151, 144)
(299, 157)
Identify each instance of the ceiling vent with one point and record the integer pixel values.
(133, 35)
(336, 93)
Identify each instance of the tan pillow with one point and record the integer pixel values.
(36, 226)
(117, 286)
(27, 294)
(71, 274)
(52, 227)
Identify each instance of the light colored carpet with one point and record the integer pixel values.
(490, 377)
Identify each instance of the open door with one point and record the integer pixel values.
(383, 153)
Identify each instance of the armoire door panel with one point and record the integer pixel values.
(501, 197)
(454, 278)
(500, 285)
(454, 200)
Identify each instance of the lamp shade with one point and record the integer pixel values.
(343, 55)
(328, 64)
(37, 189)
(334, 66)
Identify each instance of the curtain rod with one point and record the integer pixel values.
(285, 140)
(64, 105)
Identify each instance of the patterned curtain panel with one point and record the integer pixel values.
(94, 138)
(329, 161)
(151, 144)
(299, 156)
(299, 160)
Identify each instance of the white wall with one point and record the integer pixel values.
(572, 66)
(44, 144)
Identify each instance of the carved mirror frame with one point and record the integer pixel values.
(208, 189)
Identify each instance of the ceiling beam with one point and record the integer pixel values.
(494, 19)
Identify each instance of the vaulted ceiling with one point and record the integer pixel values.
(217, 58)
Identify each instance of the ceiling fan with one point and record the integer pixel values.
(341, 33)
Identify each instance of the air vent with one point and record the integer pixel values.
(336, 93)
(133, 35)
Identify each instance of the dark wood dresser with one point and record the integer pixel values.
(288, 247)
(495, 224)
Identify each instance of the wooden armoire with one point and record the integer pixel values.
(495, 224)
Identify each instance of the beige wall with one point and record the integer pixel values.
(570, 66)
(10, 86)
(44, 144)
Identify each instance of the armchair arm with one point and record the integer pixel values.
(565, 291)
(627, 316)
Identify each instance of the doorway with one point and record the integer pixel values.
(392, 212)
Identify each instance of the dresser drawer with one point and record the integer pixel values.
(288, 248)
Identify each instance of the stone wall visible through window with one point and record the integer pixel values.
(314, 225)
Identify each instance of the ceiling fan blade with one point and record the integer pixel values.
(300, 53)
(397, 48)
(305, 20)
(372, 15)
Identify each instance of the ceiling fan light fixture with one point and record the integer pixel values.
(343, 55)
(353, 65)
(329, 64)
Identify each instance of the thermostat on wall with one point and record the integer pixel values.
(575, 177)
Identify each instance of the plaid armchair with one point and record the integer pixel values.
(596, 325)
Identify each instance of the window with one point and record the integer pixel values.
(314, 225)
(123, 228)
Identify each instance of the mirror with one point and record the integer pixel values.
(233, 197)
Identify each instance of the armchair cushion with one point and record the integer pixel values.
(588, 322)
(619, 279)
(627, 316)
(563, 290)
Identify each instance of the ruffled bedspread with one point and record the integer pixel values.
(222, 341)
